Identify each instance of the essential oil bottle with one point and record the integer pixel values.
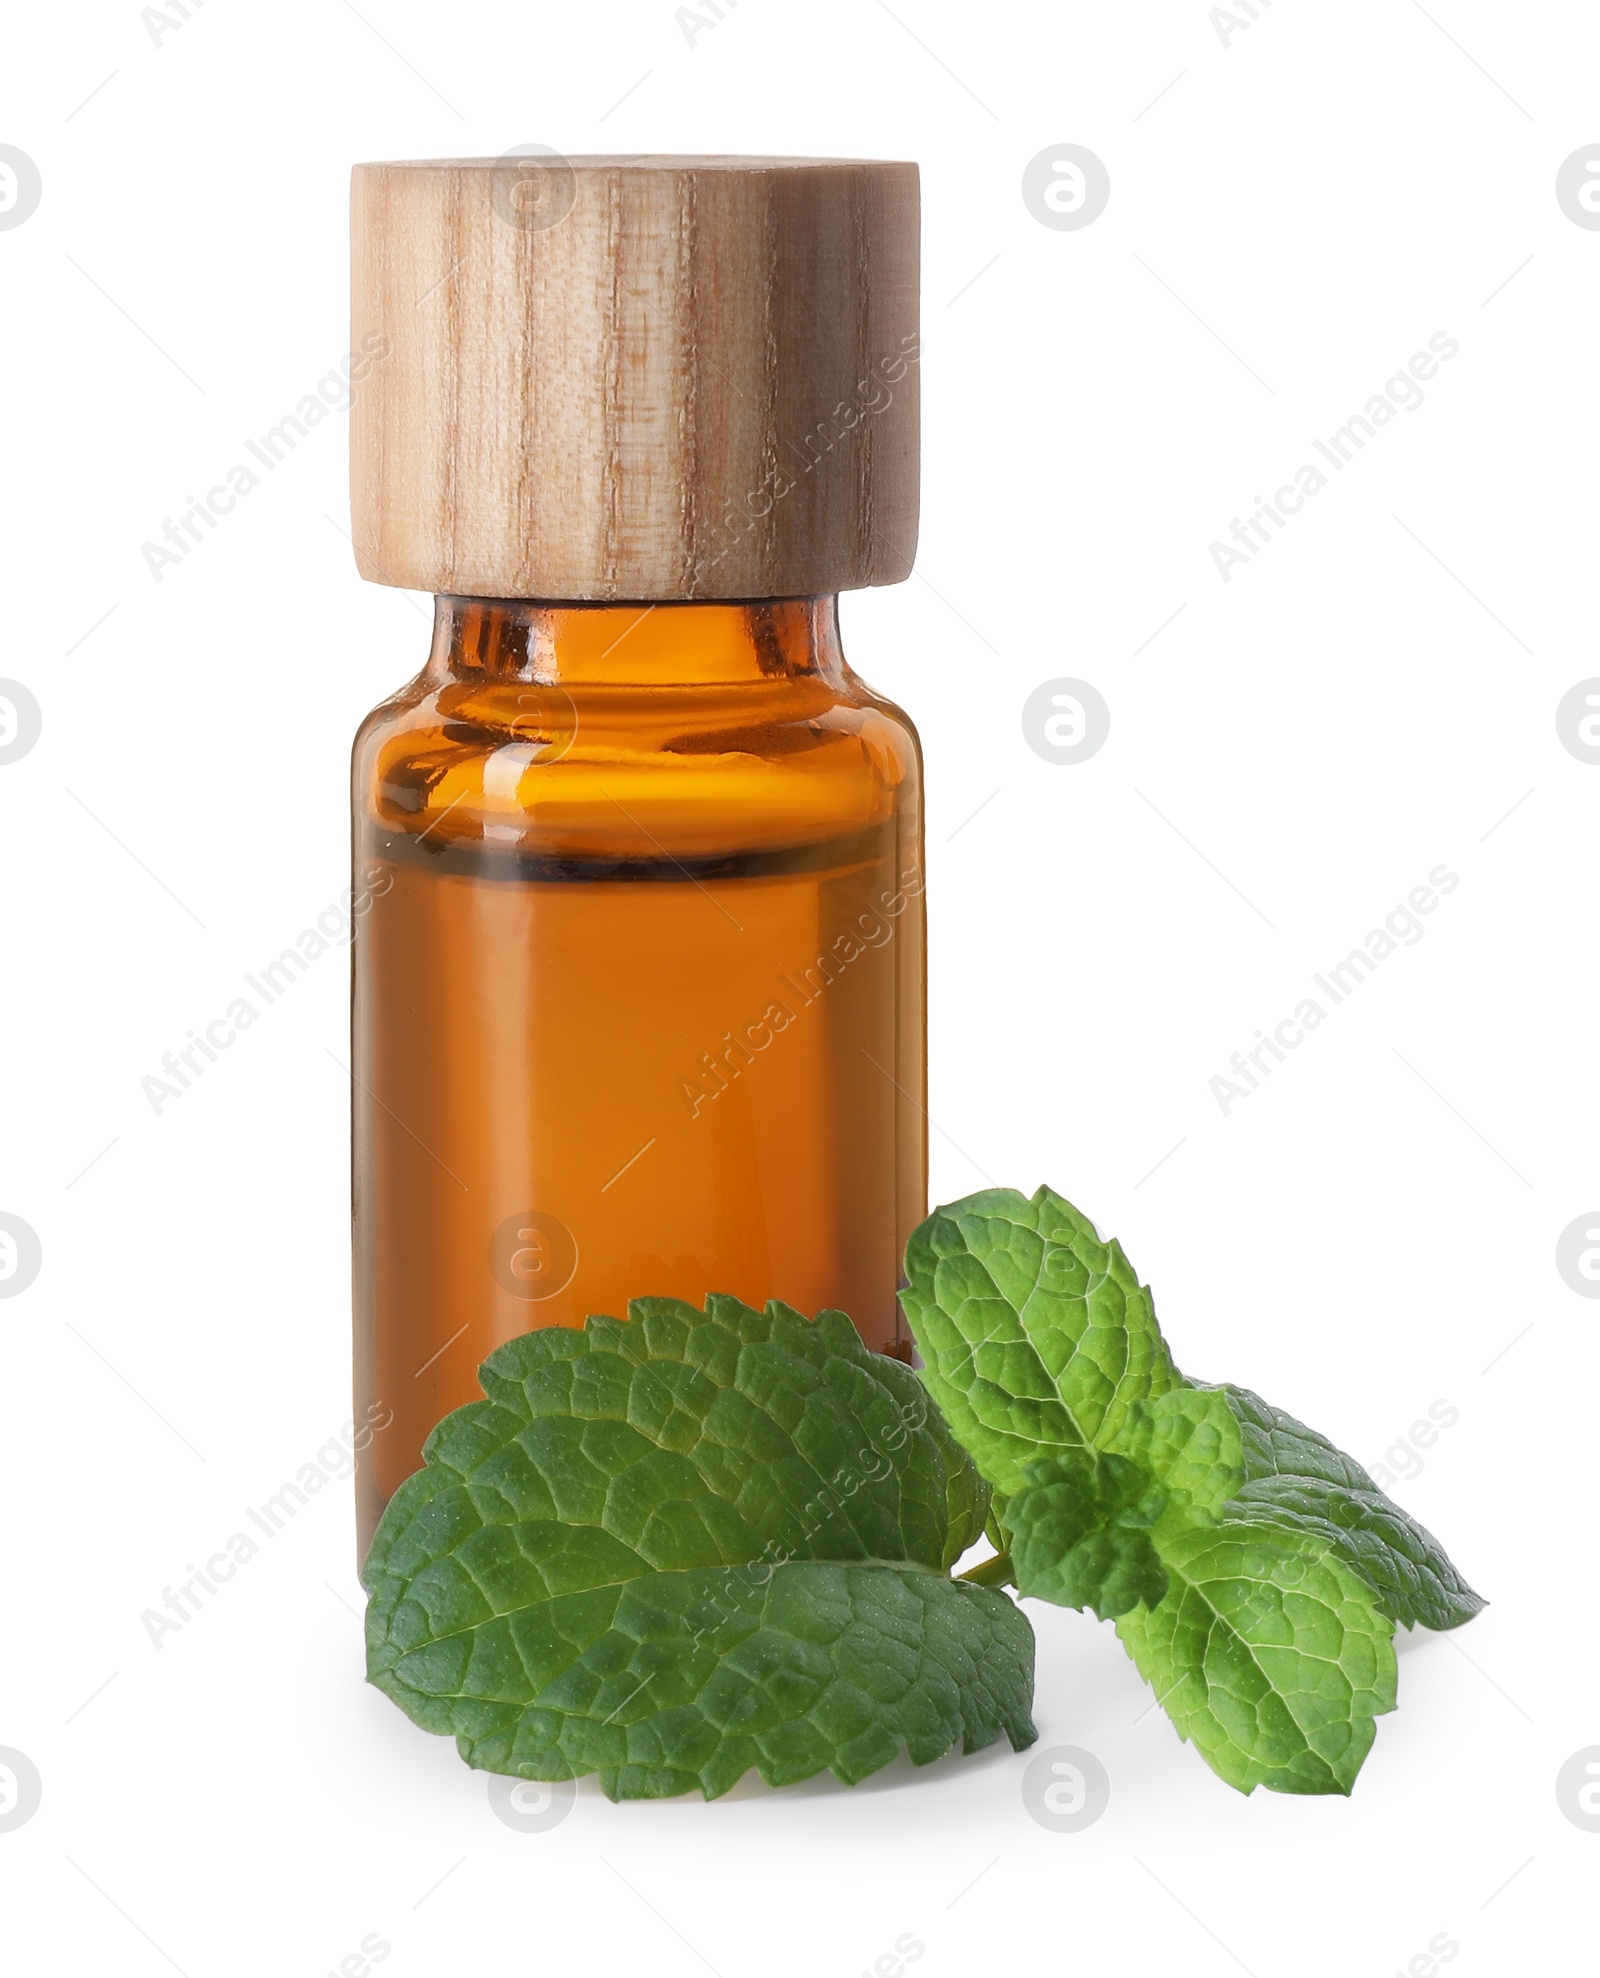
(639, 1002)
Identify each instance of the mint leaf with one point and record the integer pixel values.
(1190, 1441)
(1268, 1649)
(1080, 1533)
(1296, 1479)
(1268, 1652)
(1036, 1336)
(1255, 1572)
(673, 1549)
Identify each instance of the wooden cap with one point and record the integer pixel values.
(619, 377)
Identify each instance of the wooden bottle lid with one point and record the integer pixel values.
(617, 377)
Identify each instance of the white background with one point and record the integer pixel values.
(1372, 1231)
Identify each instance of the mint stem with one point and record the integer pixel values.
(995, 1572)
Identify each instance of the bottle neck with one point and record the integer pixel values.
(664, 644)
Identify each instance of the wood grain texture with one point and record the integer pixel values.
(659, 377)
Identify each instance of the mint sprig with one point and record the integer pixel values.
(672, 1549)
(1256, 1574)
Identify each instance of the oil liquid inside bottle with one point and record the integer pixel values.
(605, 1051)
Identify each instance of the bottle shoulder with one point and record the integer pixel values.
(637, 770)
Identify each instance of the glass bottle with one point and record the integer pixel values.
(638, 888)
(639, 987)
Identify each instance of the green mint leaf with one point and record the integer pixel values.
(1190, 1441)
(1255, 1572)
(1269, 1653)
(673, 1549)
(1297, 1479)
(683, 1681)
(1080, 1533)
(1036, 1336)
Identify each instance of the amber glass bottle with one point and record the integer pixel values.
(638, 986)
(639, 954)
